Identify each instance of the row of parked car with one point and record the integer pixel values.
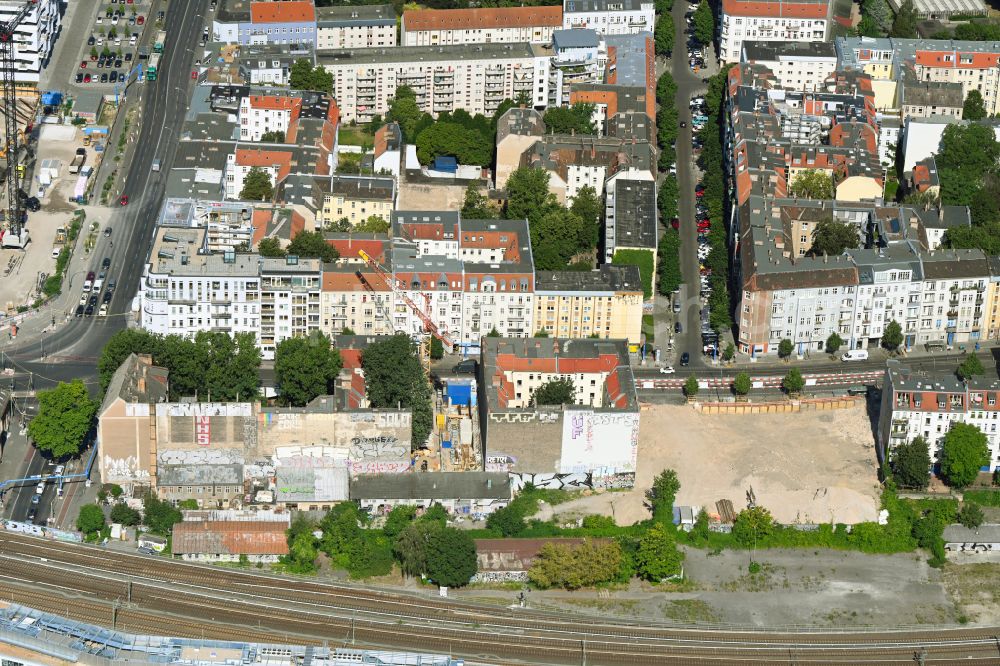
(92, 287)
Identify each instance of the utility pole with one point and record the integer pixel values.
(583, 646)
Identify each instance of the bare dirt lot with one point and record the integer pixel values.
(822, 588)
(974, 584)
(809, 467)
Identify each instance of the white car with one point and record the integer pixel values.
(667, 370)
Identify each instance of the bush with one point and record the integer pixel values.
(561, 565)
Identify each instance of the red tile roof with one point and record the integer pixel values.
(479, 19)
(972, 60)
(812, 10)
(230, 537)
(276, 103)
(297, 11)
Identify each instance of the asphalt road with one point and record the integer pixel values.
(71, 350)
(689, 340)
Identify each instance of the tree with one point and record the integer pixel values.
(125, 515)
(892, 336)
(729, 352)
(742, 384)
(375, 224)
(974, 109)
(831, 237)
(90, 520)
(404, 110)
(555, 392)
(905, 23)
(312, 244)
(587, 206)
(65, 416)
(508, 521)
(785, 348)
(661, 495)
(477, 206)
(541, 333)
(669, 269)
(911, 464)
(971, 515)
(590, 563)
(451, 556)
(663, 36)
(119, 347)
(880, 14)
(257, 186)
(302, 553)
(305, 368)
(575, 119)
(752, 525)
(270, 246)
(555, 238)
(394, 376)
(657, 557)
(494, 333)
(812, 184)
(833, 343)
(970, 367)
(300, 74)
(437, 349)
(963, 451)
(793, 382)
(159, 516)
(691, 386)
(452, 139)
(528, 195)
(274, 136)
(704, 23)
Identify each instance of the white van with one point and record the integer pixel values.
(855, 355)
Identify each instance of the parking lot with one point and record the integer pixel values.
(110, 54)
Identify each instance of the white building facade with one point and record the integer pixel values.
(798, 21)
(34, 37)
(610, 17)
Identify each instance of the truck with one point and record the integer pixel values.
(78, 160)
(152, 66)
(160, 41)
(156, 165)
(60, 235)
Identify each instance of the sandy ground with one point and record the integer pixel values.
(17, 287)
(973, 581)
(419, 196)
(810, 467)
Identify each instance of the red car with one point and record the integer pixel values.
(194, 74)
(675, 223)
(704, 225)
(83, 64)
(124, 200)
(139, 20)
(699, 193)
(86, 78)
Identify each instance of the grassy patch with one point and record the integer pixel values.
(648, 328)
(974, 588)
(355, 136)
(615, 606)
(689, 610)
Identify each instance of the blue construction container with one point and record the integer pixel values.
(445, 163)
(462, 391)
(52, 98)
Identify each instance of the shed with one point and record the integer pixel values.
(227, 540)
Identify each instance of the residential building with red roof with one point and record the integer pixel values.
(266, 22)
(433, 27)
(770, 21)
(595, 437)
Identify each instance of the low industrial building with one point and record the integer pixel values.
(230, 540)
(470, 494)
(509, 560)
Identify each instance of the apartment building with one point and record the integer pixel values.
(973, 65)
(630, 217)
(795, 65)
(924, 99)
(271, 64)
(355, 27)
(610, 17)
(744, 20)
(575, 162)
(491, 282)
(289, 300)
(286, 112)
(494, 25)
(272, 22)
(227, 224)
(184, 289)
(606, 303)
(356, 198)
(476, 78)
(579, 58)
(34, 37)
(597, 437)
(362, 304)
(927, 404)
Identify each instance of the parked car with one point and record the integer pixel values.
(855, 355)
(685, 359)
(678, 327)
(79, 77)
(667, 370)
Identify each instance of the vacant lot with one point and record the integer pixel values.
(810, 467)
(975, 587)
(815, 588)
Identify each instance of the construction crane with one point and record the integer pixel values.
(429, 325)
(11, 137)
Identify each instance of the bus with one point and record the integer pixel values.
(161, 40)
(151, 66)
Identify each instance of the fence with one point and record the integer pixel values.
(781, 407)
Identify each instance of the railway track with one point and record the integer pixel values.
(150, 595)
